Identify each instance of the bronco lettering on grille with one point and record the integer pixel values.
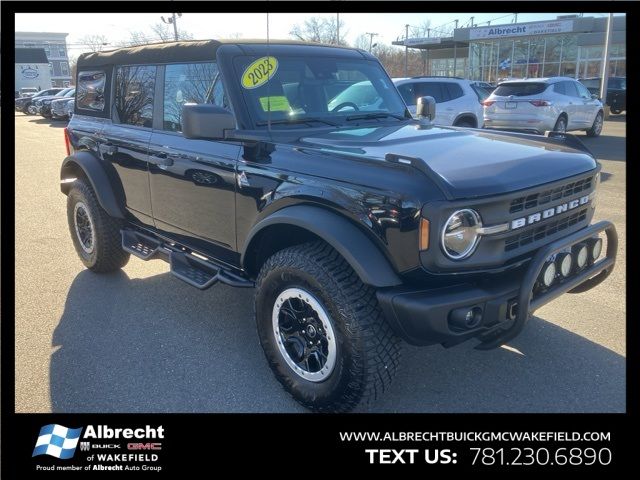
(548, 213)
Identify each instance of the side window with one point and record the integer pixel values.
(408, 92)
(188, 83)
(570, 88)
(134, 95)
(559, 88)
(90, 91)
(454, 90)
(433, 89)
(582, 90)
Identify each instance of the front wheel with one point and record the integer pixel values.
(95, 235)
(561, 125)
(322, 331)
(596, 128)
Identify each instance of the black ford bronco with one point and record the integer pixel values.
(297, 169)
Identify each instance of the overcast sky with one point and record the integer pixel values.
(117, 27)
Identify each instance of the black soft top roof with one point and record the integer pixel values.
(172, 52)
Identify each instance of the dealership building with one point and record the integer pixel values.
(571, 46)
(55, 48)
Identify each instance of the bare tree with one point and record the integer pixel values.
(362, 42)
(159, 32)
(95, 43)
(320, 30)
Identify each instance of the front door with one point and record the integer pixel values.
(193, 181)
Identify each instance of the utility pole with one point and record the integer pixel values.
(173, 20)
(456, 24)
(371, 35)
(472, 22)
(605, 67)
(338, 28)
(406, 51)
(515, 18)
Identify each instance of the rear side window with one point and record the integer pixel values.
(571, 89)
(454, 90)
(520, 89)
(90, 90)
(559, 88)
(187, 83)
(437, 90)
(591, 83)
(134, 95)
(408, 92)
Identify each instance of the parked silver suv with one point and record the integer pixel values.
(540, 104)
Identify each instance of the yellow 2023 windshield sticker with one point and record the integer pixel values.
(259, 72)
(275, 104)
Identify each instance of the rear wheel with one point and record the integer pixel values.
(322, 330)
(616, 111)
(561, 125)
(465, 124)
(95, 235)
(596, 128)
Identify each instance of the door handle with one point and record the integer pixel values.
(161, 159)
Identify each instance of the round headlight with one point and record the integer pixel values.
(459, 235)
(549, 274)
(564, 260)
(582, 255)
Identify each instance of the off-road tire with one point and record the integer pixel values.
(596, 128)
(368, 351)
(107, 254)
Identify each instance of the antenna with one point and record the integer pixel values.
(268, 80)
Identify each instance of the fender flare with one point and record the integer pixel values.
(356, 248)
(95, 172)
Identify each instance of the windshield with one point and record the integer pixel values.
(297, 90)
(62, 93)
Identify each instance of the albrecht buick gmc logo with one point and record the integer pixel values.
(61, 442)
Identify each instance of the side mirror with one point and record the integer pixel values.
(594, 96)
(426, 107)
(206, 121)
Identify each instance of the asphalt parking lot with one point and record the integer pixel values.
(142, 341)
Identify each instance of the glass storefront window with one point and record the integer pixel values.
(568, 69)
(552, 52)
(551, 70)
(505, 57)
(569, 48)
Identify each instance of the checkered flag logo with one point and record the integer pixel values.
(57, 441)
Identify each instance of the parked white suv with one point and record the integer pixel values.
(458, 100)
(540, 104)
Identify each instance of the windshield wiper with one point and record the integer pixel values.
(367, 116)
(294, 121)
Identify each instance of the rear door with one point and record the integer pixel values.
(445, 112)
(565, 99)
(192, 181)
(124, 141)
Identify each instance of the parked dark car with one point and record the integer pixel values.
(22, 104)
(616, 91)
(43, 105)
(357, 228)
(59, 108)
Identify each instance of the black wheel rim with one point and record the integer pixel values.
(84, 227)
(304, 334)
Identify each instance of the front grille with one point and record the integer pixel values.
(531, 201)
(538, 233)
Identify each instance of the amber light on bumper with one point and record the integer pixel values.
(424, 234)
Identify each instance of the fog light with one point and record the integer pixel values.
(465, 318)
(565, 260)
(596, 248)
(548, 274)
(582, 254)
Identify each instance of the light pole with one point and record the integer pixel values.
(406, 51)
(173, 20)
(605, 67)
(371, 35)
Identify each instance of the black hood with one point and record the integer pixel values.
(466, 162)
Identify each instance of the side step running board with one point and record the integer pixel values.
(138, 244)
(195, 271)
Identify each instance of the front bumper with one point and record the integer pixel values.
(421, 316)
